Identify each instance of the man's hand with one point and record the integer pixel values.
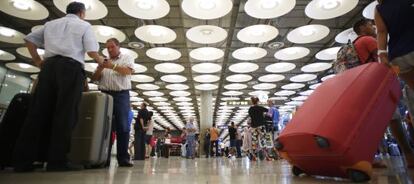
(108, 64)
(38, 62)
(100, 60)
(383, 58)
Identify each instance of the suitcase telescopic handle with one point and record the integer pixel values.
(106, 126)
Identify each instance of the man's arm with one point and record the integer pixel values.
(97, 74)
(33, 52)
(382, 37)
(123, 70)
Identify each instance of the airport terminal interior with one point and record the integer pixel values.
(202, 61)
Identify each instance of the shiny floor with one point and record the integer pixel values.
(177, 170)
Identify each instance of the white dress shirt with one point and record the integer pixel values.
(112, 80)
(68, 36)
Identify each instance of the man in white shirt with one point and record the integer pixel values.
(190, 132)
(114, 77)
(54, 107)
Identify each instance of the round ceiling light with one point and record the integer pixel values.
(285, 93)
(34, 28)
(327, 54)
(25, 9)
(268, 9)
(306, 93)
(182, 99)
(207, 54)
(230, 98)
(136, 99)
(293, 86)
(303, 77)
(239, 78)
(244, 67)
(257, 34)
(95, 9)
(235, 86)
(103, 33)
(147, 86)
(155, 34)
(327, 77)
(206, 87)
(11, 36)
(206, 34)
(173, 78)
(133, 93)
(294, 103)
(292, 53)
(163, 54)
(23, 67)
(206, 68)
(206, 78)
(184, 103)
(259, 93)
(180, 93)
(264, 86)
(207, 9)
(169, 68)
(162, 104)
(158, 99)
(308, 34)
(142, 78)
(345, 36)
(139, 68)
(369, 10)
(145, 9)
(278, 98)
(232, 93)
(328, 9)
(177, 87)
(249, 53)
(314, 86)
(129, 52)
(6, 56)
(23, 51)
(316, 67)
(280, 67)
(153, 93)
(271, 78)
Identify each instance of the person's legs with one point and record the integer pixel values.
(217, 147)
(38, 120)
(238, 144)
(70, 78)
(398, 132)
(190, 143)
(121, 111)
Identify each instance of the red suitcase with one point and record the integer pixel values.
(338, 129)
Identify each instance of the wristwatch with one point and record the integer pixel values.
(382, 52)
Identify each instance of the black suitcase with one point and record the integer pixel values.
(11, 125)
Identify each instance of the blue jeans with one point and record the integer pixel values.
(120, 124)
(190, 145)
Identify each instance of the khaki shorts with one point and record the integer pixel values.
(405, 63)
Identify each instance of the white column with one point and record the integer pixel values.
(206, 116)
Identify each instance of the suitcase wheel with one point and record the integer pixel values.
(322, 142)
(297, 171)
(278, 145)
(358, 176)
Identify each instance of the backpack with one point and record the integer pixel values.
(346, 58)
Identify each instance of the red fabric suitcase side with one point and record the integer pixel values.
(349, 113)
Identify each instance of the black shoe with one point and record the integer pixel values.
(125, 164)
(29, 168)
(64, 167)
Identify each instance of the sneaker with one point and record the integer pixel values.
(125, 164)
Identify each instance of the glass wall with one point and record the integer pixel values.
(12, 83)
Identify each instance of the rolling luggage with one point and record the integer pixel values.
(91, 136)
(337, 130)
(11, 125)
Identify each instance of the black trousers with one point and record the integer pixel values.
(139, 146)
(53, 113)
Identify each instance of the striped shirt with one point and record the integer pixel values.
(68, 36)
(112, 80)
